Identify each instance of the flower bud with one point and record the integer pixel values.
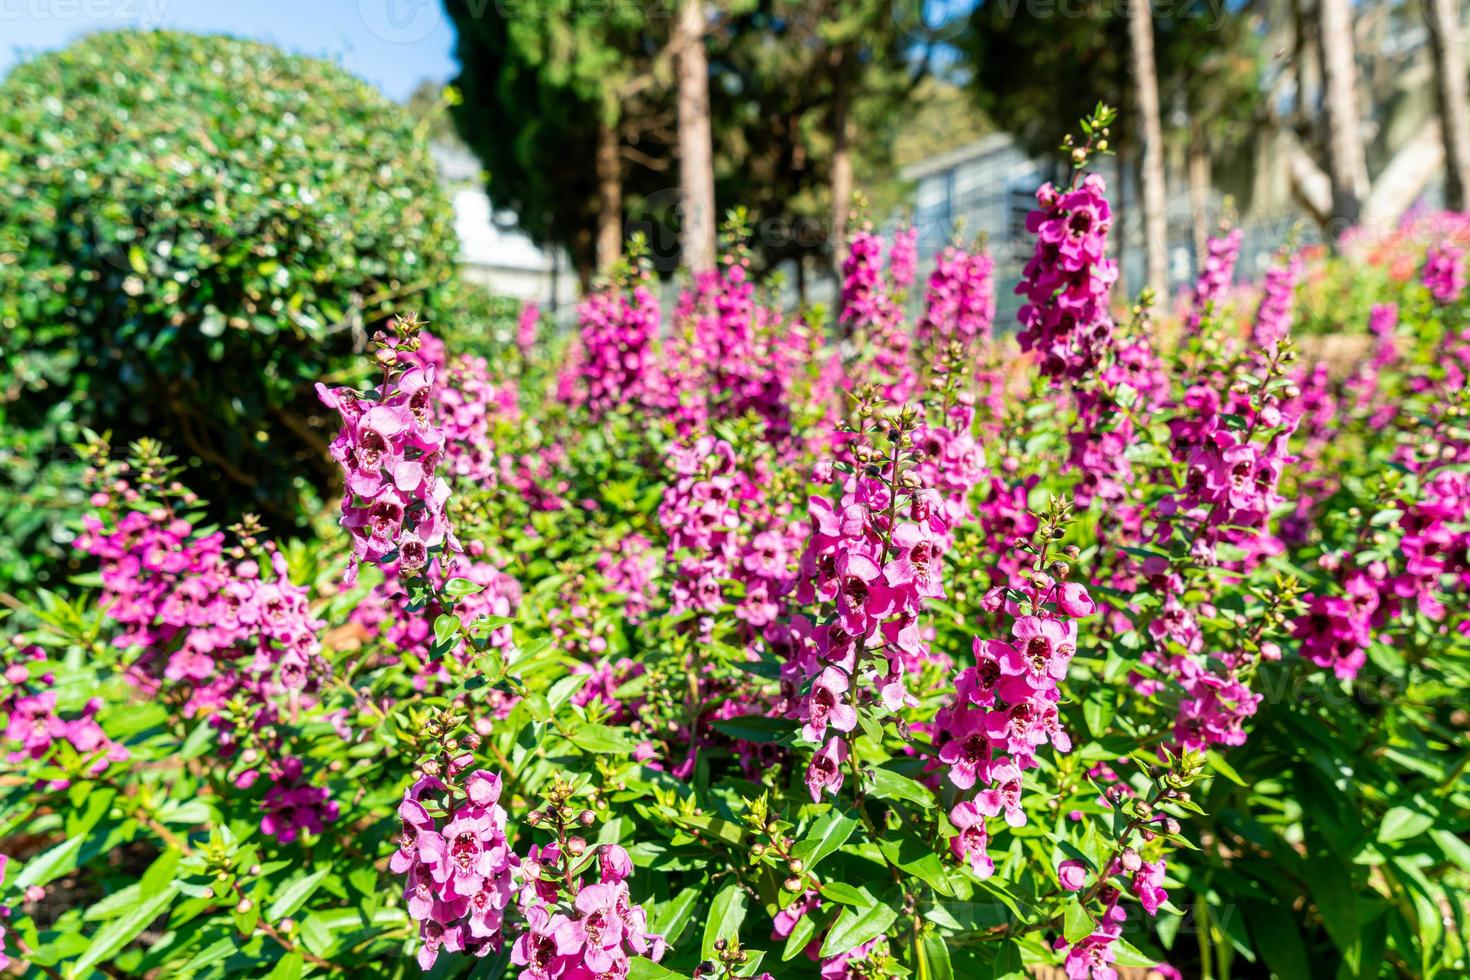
(576, 846)
(244, 905)
(792, 884)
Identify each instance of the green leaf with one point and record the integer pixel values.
(890, 785)
(807, 927)
(458, 588)
(1097, 712)
(120, 931)
(828, 834)
(1454, 848)
(1277, 937)
(1217, 762)
(856, 926)
(445, 627)
(294, 895)
(756, 728)
(1127, 954)
(841, 891)
(1077, 924)
(642, 968)
(53, 863)
(600, 739)
(1401, 823)
(288, 967)
(669, 918)
(934, 958)
(1332, 889)
(726, 913)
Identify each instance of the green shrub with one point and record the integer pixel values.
(192, 230)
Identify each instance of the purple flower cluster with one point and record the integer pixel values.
(200, 618)
(1444, 272)
(617, 330)
(1065, 318)
(876, 574)
(592, 933)
(1231, 478)
(1278, 296)
(468, 403)
(1004, 710)
(959, 300)
(29, 719)
(527, 327)
(869, 306)
(903, 259)
(226, 632)
(458, 876)
(1215, 275)
(389, 448)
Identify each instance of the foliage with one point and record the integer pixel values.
(708, 648)
(193, 228)
(1025, 60)
(538, 80)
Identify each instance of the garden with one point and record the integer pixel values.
(362, 624)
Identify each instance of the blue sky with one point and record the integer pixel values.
(392, 43)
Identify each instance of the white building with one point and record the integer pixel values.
(492, 253)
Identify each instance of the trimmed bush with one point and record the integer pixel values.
(191, 228)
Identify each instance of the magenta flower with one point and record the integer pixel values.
(825, 770)
(1005, 796)
(826, 705)
(970, 843)
(547, 945)
(1148, 885)
(1073, 600)
(1072, 875)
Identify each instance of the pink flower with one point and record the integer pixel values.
(546, 946)
(1073, 600)
(970, 843)
(825, 770)
(1148, 885)
(1091, 959)
(1072, 875)
(1006, 796)
(826, 705)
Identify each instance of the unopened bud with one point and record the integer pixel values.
(244, 905)
(792, 884)
(576, 846)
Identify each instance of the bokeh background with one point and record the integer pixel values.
(204, 204)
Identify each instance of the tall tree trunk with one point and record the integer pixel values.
(1151, 173)
(841, 158)
(1445, 36)
(609, 197)
(696, 150)
(1346, 164)
(1198, 165)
